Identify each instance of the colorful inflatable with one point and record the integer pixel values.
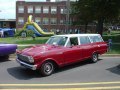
(30, 25)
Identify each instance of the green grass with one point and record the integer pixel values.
(114, 32)
(28, 40)
(115, 38)
(115, 49)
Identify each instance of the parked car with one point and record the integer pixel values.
(7, 49)
(61, 50)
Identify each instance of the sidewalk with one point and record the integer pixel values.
(22, 45)
(110, 55)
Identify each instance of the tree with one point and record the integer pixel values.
(99, 10)
(81, 11)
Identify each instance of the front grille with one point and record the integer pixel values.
(23, 58)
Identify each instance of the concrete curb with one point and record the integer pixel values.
(110, 55)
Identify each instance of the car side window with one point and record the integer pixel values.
(84, 40)
(73, 41)
(96, 38)
(62, 41)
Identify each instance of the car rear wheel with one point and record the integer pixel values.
(94, 57)
(47, 68)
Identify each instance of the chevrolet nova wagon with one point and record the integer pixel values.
(61, 50)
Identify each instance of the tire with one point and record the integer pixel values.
(6, 57)
(94, 58)
(47, 68)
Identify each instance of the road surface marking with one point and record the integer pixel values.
(69, 84)
(91, 88)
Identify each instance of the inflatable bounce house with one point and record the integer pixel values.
(30, 25)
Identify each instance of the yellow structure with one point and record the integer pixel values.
(35, 27)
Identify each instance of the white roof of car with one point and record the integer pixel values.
(76, 35)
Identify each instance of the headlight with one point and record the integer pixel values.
(31, 60)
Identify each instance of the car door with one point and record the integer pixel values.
(73, 52)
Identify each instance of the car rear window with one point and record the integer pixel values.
(96, 38)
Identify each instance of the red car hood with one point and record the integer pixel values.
(39, 49)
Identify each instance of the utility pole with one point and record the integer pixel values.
(67, 14)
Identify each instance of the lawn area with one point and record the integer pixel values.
(114, 35)
(115, 49)
(28, 40)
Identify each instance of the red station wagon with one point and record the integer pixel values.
(61, 50)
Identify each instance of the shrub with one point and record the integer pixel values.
(115, 38)
(29, 33)
(18, 33)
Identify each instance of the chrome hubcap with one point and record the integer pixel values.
(95, 57)
(48, 68)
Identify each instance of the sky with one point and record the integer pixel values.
(8, 10)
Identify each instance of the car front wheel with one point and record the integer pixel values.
(47, 68)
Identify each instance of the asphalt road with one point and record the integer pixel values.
(107, 69)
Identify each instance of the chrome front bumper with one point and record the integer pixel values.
(33, 67)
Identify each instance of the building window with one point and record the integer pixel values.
(63, 11)
(53, 30)
(61, 21)
(70, 21)
(53, 21)
(4, 24)
(38, 20)
(53, 10)
(38, 9)
(21, 20)
(20, 9)
(45, 9)
(30, 9)
(45, 21)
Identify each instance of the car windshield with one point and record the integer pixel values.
(57, 41)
